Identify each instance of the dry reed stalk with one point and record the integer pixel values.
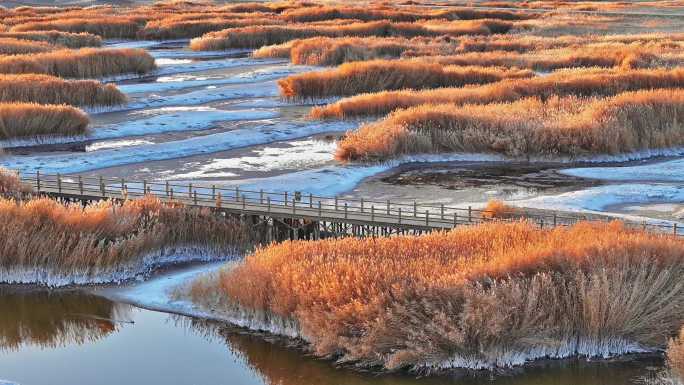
(44, 89)
(378, 75)
(675, 355)
(30, 120)
(84, 63)
(565, 127)
(563, 83)
(10, 46)
(66, 39)
(108, 27)
(480, 296)
(62, 239)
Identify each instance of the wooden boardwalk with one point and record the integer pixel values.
(298, 211)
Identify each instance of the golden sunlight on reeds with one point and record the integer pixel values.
(108, 27)
(30, 120)
(45, 89)
(84, 63)
(65, 39)
(495, 294)
(258, 36)
(377, 75)
(562, 83)
(565, 127)
(9, 46)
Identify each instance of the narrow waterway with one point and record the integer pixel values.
(71, 337)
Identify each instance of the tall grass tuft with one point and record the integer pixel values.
(10, 46)
(65, 39)
(30, 120)
(486, 296)
(45, 238)
(85, 63)
(562, 83)
(559, 127)
(45, 89)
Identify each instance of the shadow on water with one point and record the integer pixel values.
(50, 319)
(277, 362)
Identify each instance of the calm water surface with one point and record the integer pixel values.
(70, 338)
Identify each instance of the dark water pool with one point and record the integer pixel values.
(69, 338)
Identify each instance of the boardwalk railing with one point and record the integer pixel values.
(296, 205)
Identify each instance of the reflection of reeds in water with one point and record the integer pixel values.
(277, 361)
(52, 319)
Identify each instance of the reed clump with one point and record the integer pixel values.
(9, 46)
(563, 83)
(496, 209)
(45, 238)
(558, 127)
(107, 27)
(259, 36)
(58, 38)
(492, 295)
(377, 75)
(30, 120)
(45, 89)
(178, 29)
(85, 63)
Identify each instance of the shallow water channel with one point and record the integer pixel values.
(71, 337)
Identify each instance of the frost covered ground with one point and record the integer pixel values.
(216, 117)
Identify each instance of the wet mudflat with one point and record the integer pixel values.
(72, 337)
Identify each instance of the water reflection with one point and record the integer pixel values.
(51, 319)
(277, 363)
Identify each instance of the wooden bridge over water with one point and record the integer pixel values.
(296, 215)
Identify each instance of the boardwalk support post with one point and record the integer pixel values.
(38, 181)
(59, 183)
(80, 185)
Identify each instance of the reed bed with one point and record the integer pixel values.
(558, 127)
(335, 51)
(10, 46)
(626, 57)
(30, 120)
(486, 296)
(45, 238)
(84, 63)
(563, 83)
(45, 89)
(258, 36)
(472, 50)
(321, 13)
(64, 39)
(377, 75)
(165, 29)
(108, 27)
